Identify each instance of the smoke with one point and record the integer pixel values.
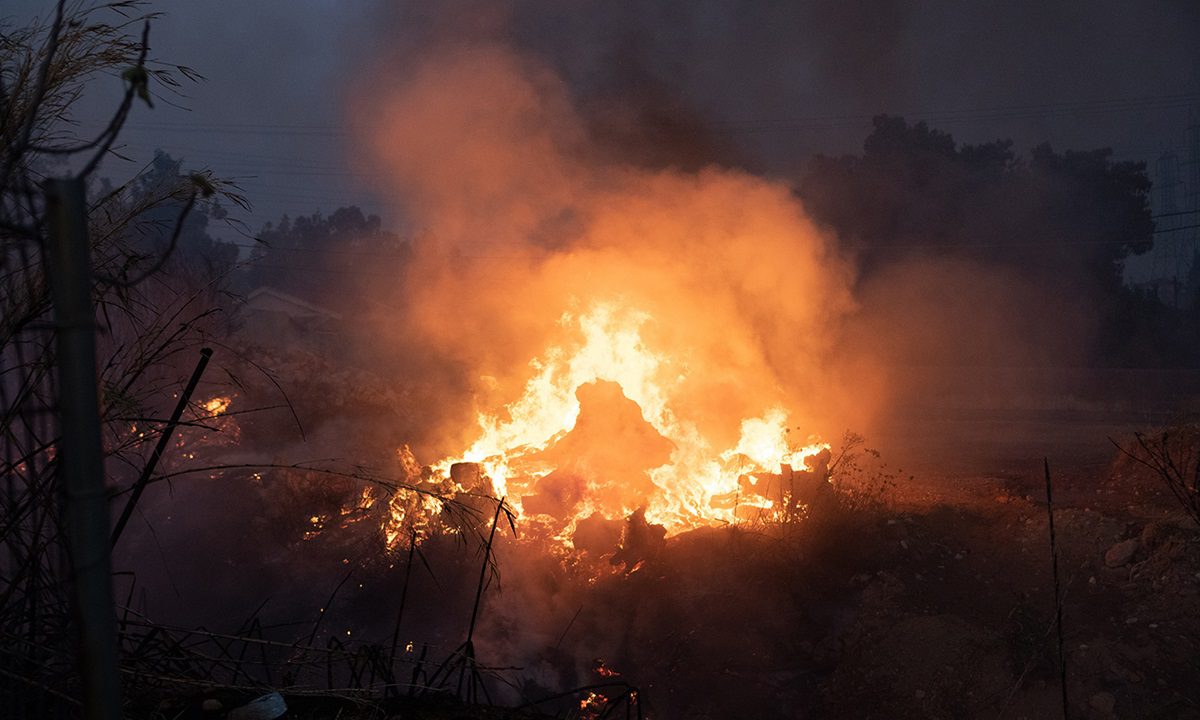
(954, 336)
(524, 220)
(687, 84)
(550, 155)
(765, 85)
(533, 204)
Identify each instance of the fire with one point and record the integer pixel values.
(631, 338)
(217, 405)
(684, 484)
(593, 703)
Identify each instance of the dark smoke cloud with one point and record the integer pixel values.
(774, 82)
(760, 85)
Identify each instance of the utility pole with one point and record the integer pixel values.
(80, 454)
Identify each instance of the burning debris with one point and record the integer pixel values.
(641, 342)
(596, 436)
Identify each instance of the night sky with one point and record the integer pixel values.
(770, 83)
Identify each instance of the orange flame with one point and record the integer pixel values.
(607, 344)
(217, 405)
(640, 338)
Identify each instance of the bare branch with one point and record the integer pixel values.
(162, 260)
(118, 121)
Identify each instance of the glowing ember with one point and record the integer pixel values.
(217, 406)
(592, 703)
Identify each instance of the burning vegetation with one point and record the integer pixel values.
(590, 415)
(575, 446)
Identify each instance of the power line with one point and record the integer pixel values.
(1019, 111)
(1160, 231)
(1173, 214)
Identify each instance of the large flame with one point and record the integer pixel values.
(631, 338)
(605, 343)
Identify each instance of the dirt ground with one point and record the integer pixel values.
(922, 589)
(932, 596)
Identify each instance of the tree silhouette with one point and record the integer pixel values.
(315, 257)
(1062, 220)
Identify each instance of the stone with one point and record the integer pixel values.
(266, 707)
(1121, 553)
(1103, 703)
(1155, 534)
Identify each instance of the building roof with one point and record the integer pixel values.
(268, 299)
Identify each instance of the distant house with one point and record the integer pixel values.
(271, 317)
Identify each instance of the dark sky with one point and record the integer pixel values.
(772, 83)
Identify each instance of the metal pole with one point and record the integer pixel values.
(1058, 608)
(163, 441)
(80, 453)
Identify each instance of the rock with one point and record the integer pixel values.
(211, 706)
(1121, 553)
(1103, 703)
(266, 707)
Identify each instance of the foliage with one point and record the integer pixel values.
(862, 480)
(1061, 220)
(158, 282)
(147, 209)
(915, 190)
(1173, 455)
(149, 324)
(309, 256)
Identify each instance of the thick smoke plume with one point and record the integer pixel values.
(523, 222)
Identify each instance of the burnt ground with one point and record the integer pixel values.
(925, 592)
(922, 594)
(940, 604)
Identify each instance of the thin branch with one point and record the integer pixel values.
(118, 121)
(166, 255)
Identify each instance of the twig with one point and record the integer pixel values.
(18, 149)
(463, 658)
(118, 121)
(567, 629)
(325, 610)
(166, 254)
(412, 548)
(487, 556)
